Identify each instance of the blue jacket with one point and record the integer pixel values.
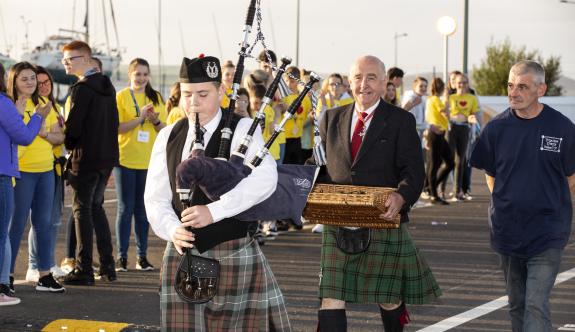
(14, 132)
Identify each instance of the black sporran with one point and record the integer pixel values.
(353, 241)
(197, 278)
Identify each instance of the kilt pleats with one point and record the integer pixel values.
(390, 271)
(248, 297)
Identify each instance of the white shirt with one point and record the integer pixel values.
(253, 189)
(418, 111)
(355, 117)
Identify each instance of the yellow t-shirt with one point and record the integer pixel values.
(175, 114)
(268, 130)
(136, 144)
(329, 105)
(37, 157)
(433, 114)
(463, 104)
(59, 150)
(226, 99)
(294, 126)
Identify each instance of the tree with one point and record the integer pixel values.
(490, 79)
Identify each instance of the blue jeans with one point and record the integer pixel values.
(6, 209)
(33, 191)
(130, 185)
(56, 221)
(529, 282)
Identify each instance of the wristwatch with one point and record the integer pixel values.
(157, 123)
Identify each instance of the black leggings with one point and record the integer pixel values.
(439, 152)
(458, 141)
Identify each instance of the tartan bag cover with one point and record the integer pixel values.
(248, 297)
(391, 270)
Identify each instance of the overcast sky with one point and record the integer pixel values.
(333, 33)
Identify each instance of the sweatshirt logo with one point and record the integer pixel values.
(552, 144)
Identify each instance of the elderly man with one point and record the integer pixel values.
(248, 297)
(373, 143)
(528, 155)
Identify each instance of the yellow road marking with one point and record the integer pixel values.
(75, 325)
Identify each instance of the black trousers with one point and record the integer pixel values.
(458, 141)
(89, 217)
(293, 154)
(439, 153)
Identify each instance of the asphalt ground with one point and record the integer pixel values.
(453, 239)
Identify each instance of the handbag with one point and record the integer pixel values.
(353, 241)
(197, 278)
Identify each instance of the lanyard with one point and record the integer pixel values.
(135, 103)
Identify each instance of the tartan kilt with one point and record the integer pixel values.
(390, 271)
(248, 297)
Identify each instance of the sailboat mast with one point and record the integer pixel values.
(87, 24)
(160, 73)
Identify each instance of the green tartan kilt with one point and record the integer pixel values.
(390, 271)
(248, 297)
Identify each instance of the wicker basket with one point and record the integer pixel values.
(350, 206)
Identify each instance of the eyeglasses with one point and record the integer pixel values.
(69, 59)
(244, 102)
(45, 83)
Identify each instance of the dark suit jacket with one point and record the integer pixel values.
(390, 154)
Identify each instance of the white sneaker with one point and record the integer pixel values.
(8, 300)
(32, 275)
(318, 228)
(57, 272)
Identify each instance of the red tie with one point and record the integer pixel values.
(357, 134)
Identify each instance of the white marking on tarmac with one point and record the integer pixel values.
(567, 327)
(485, 309)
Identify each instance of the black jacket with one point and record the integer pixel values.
(92, 125)
(390, 154)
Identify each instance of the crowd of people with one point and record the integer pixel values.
(99, 133)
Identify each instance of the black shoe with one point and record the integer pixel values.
(5, 289)
(122, 264)
(11, 286)
(282, 225)
(106, 272)
(78, 277)
(439, 201)
(143, 264)
(47, 283)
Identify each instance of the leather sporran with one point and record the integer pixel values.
(197, 278)
(353, 241)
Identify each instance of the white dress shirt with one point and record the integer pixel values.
(355, 117)
(253, 189)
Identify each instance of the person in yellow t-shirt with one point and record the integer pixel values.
(257, 93)
(34, 191)
(45, 90)
(436, 115)
(332, 95)
(463, 107)
(243, 108)
(294, 127)
(173, 109)
(228, 70)
(142, 115)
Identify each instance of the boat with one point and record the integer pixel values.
(49, 54)
(6, 61)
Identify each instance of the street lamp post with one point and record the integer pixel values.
(395, 37)
(446, 26)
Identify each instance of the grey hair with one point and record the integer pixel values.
(529, 66)
(372, 58)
